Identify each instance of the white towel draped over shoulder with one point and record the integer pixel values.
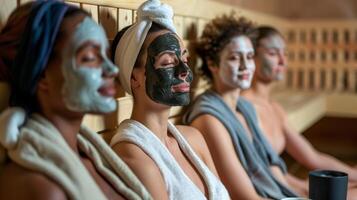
(178, 185)
(37, 145)
(131, 42)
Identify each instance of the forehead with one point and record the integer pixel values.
(273, 41)
(69, 25)
(81, 29)
(240, 43)
(163, 40)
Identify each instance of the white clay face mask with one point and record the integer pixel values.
(83, 83)
(236, 67)
(272, 65)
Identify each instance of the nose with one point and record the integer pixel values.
(243, 64)
(282, 59)
(183, 75)
(109, 69)
(182, 71)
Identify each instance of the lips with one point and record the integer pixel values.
(244, 76)
(107, 90)
(279, 69)
(182, 87)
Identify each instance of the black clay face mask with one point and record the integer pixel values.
(168, 78)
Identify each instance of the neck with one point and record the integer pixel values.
(154, 118)
(261, 89)
(229, 95)
(67, 126)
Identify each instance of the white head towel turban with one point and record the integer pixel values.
(131, 42)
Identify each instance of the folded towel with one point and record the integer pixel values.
(34, 143)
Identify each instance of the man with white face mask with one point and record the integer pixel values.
(271, 62)
(246, 163)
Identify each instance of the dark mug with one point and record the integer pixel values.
(327, 185)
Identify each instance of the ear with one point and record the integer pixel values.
(135, 80)
(43, 83)
(212, 66)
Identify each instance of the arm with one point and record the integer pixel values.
(300, 186)
(225, 159)
(199, 145)
(304, 153)
(149, 175)
(17, 183)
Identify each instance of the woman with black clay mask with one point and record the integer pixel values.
(172, 162)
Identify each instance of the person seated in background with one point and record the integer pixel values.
(271, 63)
(58, 71)
(172, 161)
(246, 163)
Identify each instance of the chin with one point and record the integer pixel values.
(279, 78)
(182, 99)
(245, 84)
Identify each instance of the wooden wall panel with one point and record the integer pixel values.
(178, 20)
(93, 10)
(24, 1)
(7, 6)
(74, 3)
(125, 18)
(108, 18)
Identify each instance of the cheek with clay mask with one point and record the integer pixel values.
(164, 84)
(237, 72)
(273, 58)
(83, 85)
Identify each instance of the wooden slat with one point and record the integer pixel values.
(189, 28)
(306, 79)
(125, 107)
(352, 80)
(92, 10)
(125, 18)
(94, 122)
(74, 3)
(108, 18)
(178, 20)
(135, 14)
(200, 26)
(7, 6)
(317, 79)
(24, 1)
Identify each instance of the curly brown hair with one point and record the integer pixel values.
(217, 34)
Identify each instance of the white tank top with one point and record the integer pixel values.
(178, 185)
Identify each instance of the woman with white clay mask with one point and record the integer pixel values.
(173, 162)
(59, 73)
(246, 164)
(271, 62)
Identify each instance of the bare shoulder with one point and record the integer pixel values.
(19, 183)
(194, 138)
(208, 124)
(278, 108)
(207, 128)
(212, 130)
(134, 156)
(191, 134)
(143, 167)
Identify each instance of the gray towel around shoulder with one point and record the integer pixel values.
(256, 157)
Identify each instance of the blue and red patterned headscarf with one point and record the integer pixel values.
(33, 52)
